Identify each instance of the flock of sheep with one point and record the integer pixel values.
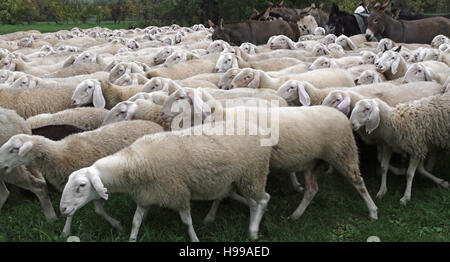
(91, 112)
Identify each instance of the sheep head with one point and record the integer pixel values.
(365, 113)
(15, 151)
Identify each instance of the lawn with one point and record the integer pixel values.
(45, 27)
(336, 214)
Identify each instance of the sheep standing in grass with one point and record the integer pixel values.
(306, 134)
(57, 159)
(171, 169)
(413, 128)
(12, 124)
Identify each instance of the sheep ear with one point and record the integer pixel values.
(351, 44)
(374, 119)
(303, 96)
(235, 62)
(395, 64)
(221, 24)
(198, 104)
(98, 185)
(131, 110)
(256, 80)
(33, 83)
(291, 44)
(333, 64)
(98, 99)
(344, 106)
(10, 79)
(376, 78)
(25, 148)
(428, 74)
(69, 61)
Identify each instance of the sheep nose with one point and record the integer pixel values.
(367, 37)
(161, 114)
(63, 209)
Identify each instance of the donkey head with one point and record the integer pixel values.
(377, 20)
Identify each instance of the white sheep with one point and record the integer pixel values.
(320, 78)
(369, 77)
(412, 128)
(391, 64)
(294, 135)
(78, 150)
(12, 124)
(345, 42)
(248, 48)
(85, 118)
(150, 185)
(439, 40)
(427, 71)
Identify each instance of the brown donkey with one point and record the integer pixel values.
(403, 31)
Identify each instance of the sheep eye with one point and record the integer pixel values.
(14, 149)
(181, 97)
(420, 71)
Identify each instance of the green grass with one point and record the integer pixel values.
(45, 27)
(336, 214)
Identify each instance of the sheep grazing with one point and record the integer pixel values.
(141, 171)
(78, 150)
(12, 124)
(395, 129)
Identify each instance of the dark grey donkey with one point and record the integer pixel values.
(402, 31)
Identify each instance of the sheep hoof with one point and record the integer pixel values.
(254, 236)
(373, 216)
(294, 216)
(381, 194)
(208, 219)
(445, 184)
(132, 240)
(404, 200)
(117, 225)
(299, 189)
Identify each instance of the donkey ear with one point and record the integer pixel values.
(98, 99)
(383, 7)
(303, 96)
(211, 24)
(374, 119)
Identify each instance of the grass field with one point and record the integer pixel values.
(45, 27)
(336, 214)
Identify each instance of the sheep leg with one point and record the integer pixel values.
(67, 225)
(257, 209)
(413, 164)
(297, 186)
(311, 189)
(185, 216)
(139, 215)
(4, 194)
(358, 183)
(386, 157)
(211, 216)
(239, 198)
(46, 203)
(435, 179)
(99, 209)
